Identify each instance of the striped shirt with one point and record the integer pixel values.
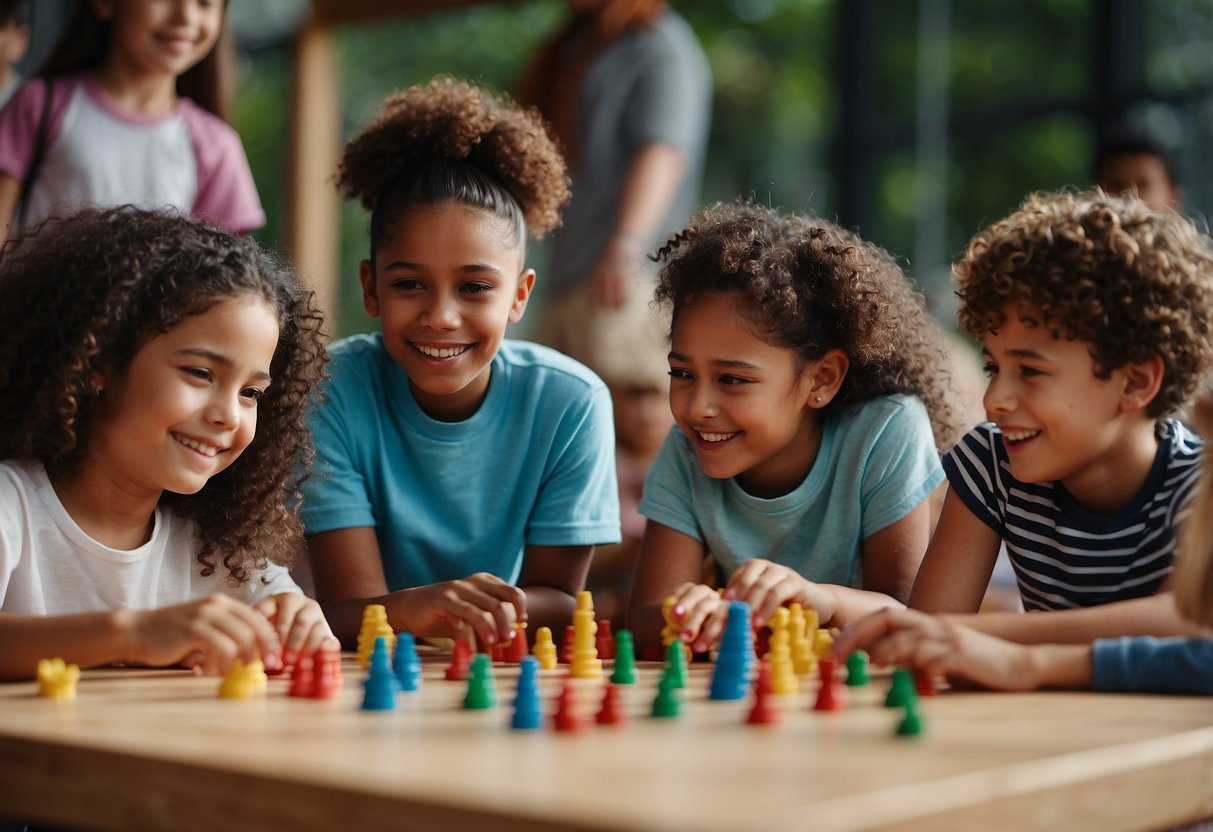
(1064, 556)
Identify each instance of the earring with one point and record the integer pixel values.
(817, 399)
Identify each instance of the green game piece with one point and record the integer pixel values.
(902, 692)
(625, 659)
(911, 724)
(481, 691)
(667, 704)
(676, 664)
(857, 670)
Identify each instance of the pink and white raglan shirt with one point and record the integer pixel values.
(99, 154)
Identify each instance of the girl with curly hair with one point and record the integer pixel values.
(465, 477)
(941, 645)
(143, 509)
(1095, 317)
(805, 382)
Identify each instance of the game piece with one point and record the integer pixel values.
(585, 663)
(676, 664)
(374, 624)
(461, 656)
(924, 685)
(735, 658)
(798, 641)
(671, 629)
(763, 712)
(625, 660)
(566, 648)
(762, 641)
(239, 683)
(605, 640)
(482, 692)
(256, 673)
(513, 651)
(545, 649)
(566, 717)
(857, 669)
(611, 712)
(911, 724)
(406, 664)
(303, 677)
(902, 689)
(783, 672)
(326, 667)
(667, 704)
(822, 642)
(831, 696)
(528, 712)
(380, 685)
(57, 679)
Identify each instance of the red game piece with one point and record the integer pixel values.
(831, 696)
(762, 637)
(652, 654)
(604, 642)
(762, 713)
(327, 670)
(515, 650)
(611, 713)
(566, 717)
(461, 661)
(303, 680)
(566, 649)
(923, 683)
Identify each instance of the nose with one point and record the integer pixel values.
(223, 409)
(441, 313)
(702, 404)
(999, 396)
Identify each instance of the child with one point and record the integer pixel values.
(1094, 314)
(142, 508)
(467, 478)
(14, 40)
(120, 128)
(1128, 664)
(805, 379)
(1129, 160)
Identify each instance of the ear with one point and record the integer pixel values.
(370, 291)
(823, 378)
(1141, 383)
(526, 282)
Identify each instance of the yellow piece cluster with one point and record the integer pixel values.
(544, 649)
(585, 663)
(243, 680)
(57, 679)
(374, 624)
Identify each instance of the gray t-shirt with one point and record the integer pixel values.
(650, 85)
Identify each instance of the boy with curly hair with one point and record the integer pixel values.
(1094, 315)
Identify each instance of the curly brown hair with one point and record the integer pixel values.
(104, 283)
(450, 141)
(812, 286)
(1106, 270)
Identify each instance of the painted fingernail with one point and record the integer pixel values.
(687, 635)
(679, 611)
(730, 594)
(491, 638)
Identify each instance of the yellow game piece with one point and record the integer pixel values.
(57, 679)
(240, 682)
(798, 642)
(669, 633)
(256, 673)
(544, 649)
(585, 663)
(374, 624)
(783, 674)
(822, 642)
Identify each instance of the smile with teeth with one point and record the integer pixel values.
(204, 448)
(441, 352)
(715, 437)
(1019, 435)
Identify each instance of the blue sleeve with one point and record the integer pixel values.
(667, 495)
(335, 495)
(1144, 664)
(902, 467)
(578, 502)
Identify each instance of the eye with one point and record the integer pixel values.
(475, 288)
(252, 393)
(200, 373)
(1029, 372)
(407, 284)
(733, 381)
(680, 374)
(990, 368)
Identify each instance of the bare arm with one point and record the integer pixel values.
(959, 561)
(669, 561)
(10, 192)
(1153, 616)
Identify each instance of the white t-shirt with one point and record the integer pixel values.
(49, 566)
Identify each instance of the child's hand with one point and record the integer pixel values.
(482, 603)
(940, 646)
(213, 631)
(701, 614)
(300, 625)
(767, 586)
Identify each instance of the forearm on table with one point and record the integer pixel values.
(1155, 616)
(87, 639)
(1060, 665)
(547, 606)
(851, 605)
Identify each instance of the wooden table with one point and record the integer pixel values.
(146, 749)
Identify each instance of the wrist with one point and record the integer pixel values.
(1059, 665)
(120, 629)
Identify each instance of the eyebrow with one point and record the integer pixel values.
(1017, 354)
(470, 268)
(218, 358)
(732, 363)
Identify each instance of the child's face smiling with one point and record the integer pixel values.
(164, 36)
(741, 401)
(444, 286)
(1059, 421)
(187, 406)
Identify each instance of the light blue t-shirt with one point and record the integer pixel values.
(877, 461)
(535, 465)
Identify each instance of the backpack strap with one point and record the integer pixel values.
(39, 147)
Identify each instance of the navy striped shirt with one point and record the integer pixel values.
(1064, 556)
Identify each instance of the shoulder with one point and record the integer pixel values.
(553, 371)
(19, 477)
(900, 414)
(355, 367)
(209, 131)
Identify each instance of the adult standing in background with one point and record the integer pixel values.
(627, 88)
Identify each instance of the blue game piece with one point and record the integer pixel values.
(380, 685)
(528, 711)
(735, 659)
(406, 664)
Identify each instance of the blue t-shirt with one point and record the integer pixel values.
(877, 461)
(1144, 664)
(534, 466)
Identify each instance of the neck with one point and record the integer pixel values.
(784, 473)
(1111, 482)
(106, 509)
(146, 93)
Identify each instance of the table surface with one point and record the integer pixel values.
(157, 749)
